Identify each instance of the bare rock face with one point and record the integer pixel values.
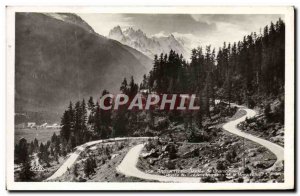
(152, 153)
(252, 154)
(149, 46)
(151, 161)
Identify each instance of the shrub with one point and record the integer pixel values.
(75, 170)
(279, 113)
(200, 136)
(261, 149)
(170, 165)
(240, 180)
(208, 179)
(172, 151)
(149, 145)
(221, 165)
(247, 170)
(231, 155)
(222, 177)
(268, 113)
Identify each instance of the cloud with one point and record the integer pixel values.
(189, 39)
(248, 22)
(182, 23)
(233, 27)
(204, 29)
(103, 23)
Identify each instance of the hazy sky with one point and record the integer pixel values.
(202, 29)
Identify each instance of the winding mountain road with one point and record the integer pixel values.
(128, 164)
(128, 168)
(71, 160)
(232, 128)
(73, 156)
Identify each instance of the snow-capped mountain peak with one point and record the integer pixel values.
(150, 46)
(116, 33)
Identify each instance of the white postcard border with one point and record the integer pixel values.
(289, 175)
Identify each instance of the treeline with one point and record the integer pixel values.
(253, 67)
(74, 123)
(239, 72)
(249, 71)
(27, 154)
(85, 122)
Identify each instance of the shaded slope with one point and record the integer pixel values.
(58, 61)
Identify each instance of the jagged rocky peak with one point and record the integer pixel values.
(116, 33)
(150, 46)
(116, 29)
(131, 30)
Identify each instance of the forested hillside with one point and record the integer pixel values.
(240, 72)
(249, 72)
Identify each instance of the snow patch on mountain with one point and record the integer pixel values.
(72, 19)
(150, 46)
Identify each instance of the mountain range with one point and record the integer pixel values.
(150, 46)
(60, 58)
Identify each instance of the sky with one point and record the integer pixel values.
(201, 29)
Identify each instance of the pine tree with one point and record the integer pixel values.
(105, 117)
(78, 129)
(144, 84)
(83, 116)
(67, 122)
(120, 124)
(21, 151)
(89, 166)
(71, 116)
(36, 144)
(23, 157)
(133, 88)
(44, 154)
(91, 104)
(75, 170)
(267, 112)
(97, 118)
(26, 175)
(124, 87)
